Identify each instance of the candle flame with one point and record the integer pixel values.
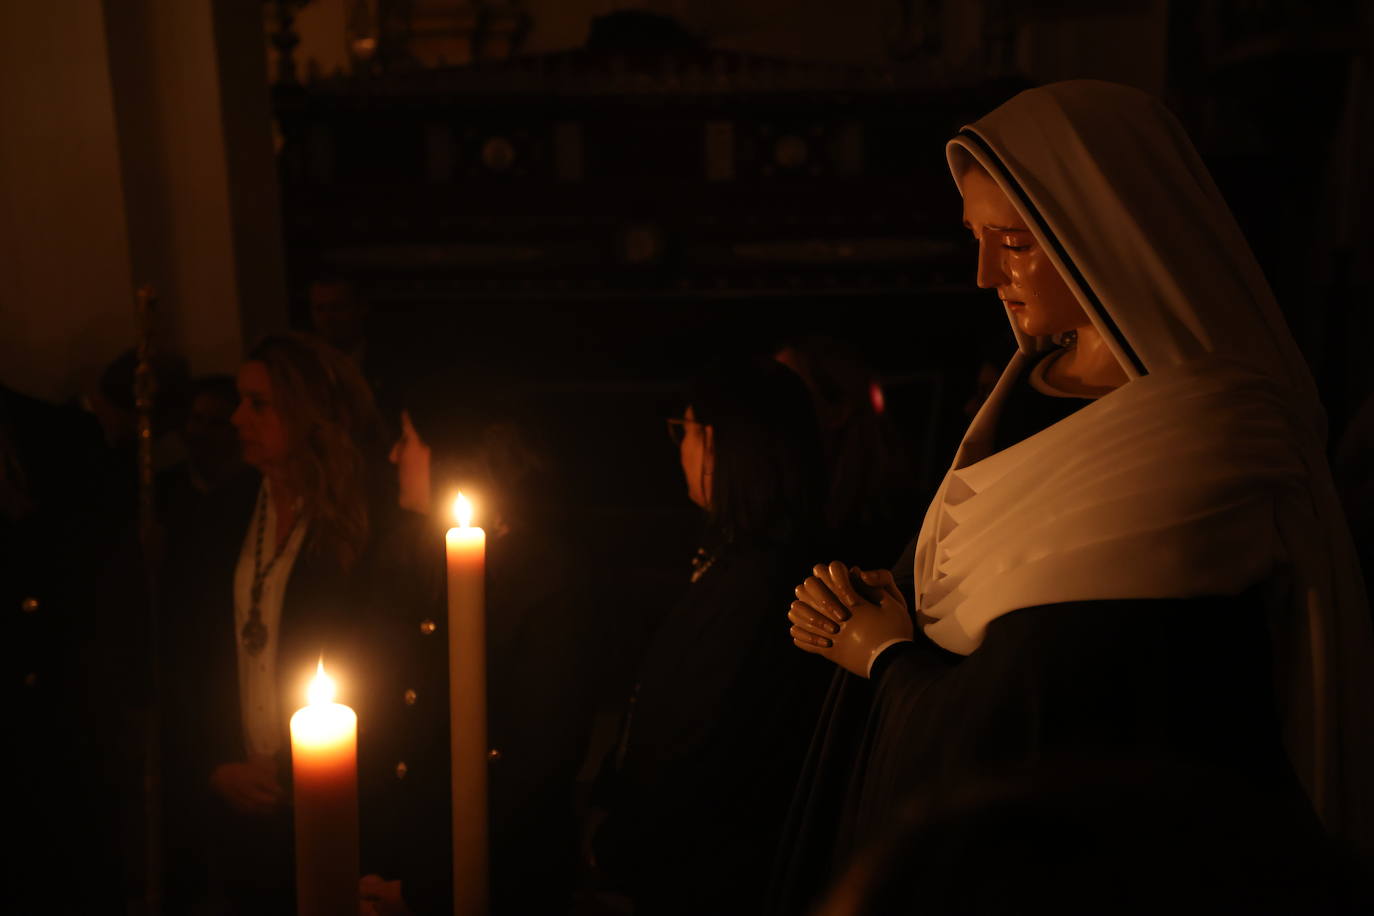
(321, 690)
(462, 510)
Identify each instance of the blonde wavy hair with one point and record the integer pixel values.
(333, 434)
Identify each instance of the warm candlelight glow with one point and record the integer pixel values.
(465, 550)
(462, 510)
(324, 760)
(322, 722)
(321, 689)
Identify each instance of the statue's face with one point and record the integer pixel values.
(1012, 262)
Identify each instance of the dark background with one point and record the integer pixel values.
(590, 220)
(596, 224)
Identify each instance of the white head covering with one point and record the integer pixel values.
(1205, 474)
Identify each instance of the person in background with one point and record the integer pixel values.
(691, 798)
(212, 448)
(211, 444)
(265, 577)
(871, 504)
(341, 316)
(113, 404)
(991, 359)
(53, 535)
(123, 630)
(541, 637)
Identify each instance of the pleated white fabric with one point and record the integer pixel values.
(1205, 474)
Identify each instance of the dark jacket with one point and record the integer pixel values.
(539, 666)
(324, 611)
(697, 788)
(65, 682)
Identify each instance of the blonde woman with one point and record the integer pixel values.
(260, 583)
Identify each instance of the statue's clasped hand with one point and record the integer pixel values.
(849, 615)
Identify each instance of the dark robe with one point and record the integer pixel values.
(63, 680)
(698, 786)
(540, 658)
(324, 611)
(1076, 681)
(1126, 681)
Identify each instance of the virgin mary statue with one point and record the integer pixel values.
(1137, 552)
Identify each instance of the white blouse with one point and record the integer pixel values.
(264, 718)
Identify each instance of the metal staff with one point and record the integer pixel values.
(150, 539)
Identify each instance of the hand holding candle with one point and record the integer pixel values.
(467, 667)
(324, 757)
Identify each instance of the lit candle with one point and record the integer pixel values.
(467, 692)
(324, 761)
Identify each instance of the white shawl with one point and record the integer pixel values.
(1205, 474)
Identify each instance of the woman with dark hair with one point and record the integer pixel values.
(537, 685)
(258, 584)
(695, 790)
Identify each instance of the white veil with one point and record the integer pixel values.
(1203, 474)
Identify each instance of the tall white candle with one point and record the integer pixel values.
(467, 677)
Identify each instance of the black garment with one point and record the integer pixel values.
(1084, 834)
(697, 788)
(52, 537)
(324, 611)
(403, 746)
(1027, 410)
(1129, 680)
(540, 654)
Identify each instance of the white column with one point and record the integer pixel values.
(135, 146)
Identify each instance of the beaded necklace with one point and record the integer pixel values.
(254, 633)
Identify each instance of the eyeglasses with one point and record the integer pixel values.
(677, 428)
